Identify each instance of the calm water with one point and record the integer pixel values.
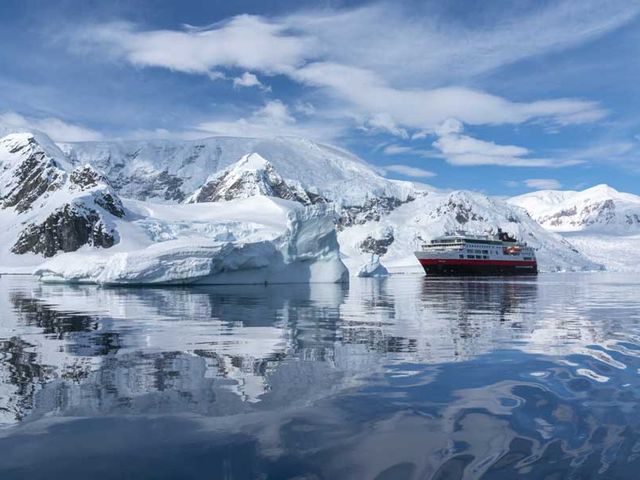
(387, 379)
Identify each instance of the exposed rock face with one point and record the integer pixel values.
(133, 176)
(27, 172)
(170, 171)
(602, 212)
(86, 178)
(463, 208)
(459, 208)
(162, 185)
(66, 229)
(377, 244)
(371, 211)
(252, 175)
(600, 208)
(63, 208)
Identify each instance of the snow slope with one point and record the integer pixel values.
(396, 236)
(49, 209)
(601, 222)
(367, 226)
(184, 243)
(170, 171)
(598, 208)
(254, 240)
(251, 175)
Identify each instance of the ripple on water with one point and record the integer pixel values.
(404, 377)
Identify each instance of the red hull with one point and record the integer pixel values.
(478, 267)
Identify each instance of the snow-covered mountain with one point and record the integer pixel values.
(170, 171)
(597, 208)
(51, 208)
(250, 176)
(601, 222)
(397, 235)
(47, 206)
(277, 199)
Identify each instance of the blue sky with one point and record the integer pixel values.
(503, 97)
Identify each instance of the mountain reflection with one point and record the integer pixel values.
(195, 345)
(484, 375)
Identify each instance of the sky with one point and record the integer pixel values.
(502, 97)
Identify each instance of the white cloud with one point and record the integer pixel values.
(394, 77)
(248, 80)
(275, 112)
(428, 46)
(449, 127)
(418, 44)
(161, 133)
(403, 79)
(57, 129)
(606, 151)
(305, 108)
(215, 75)
(463, 150)
(272, 119)
(244, 41)
(543, 183)
(397, 149)
(392, 108)
(382, 122)
(409, 171)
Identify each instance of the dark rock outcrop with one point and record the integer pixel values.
(31, 176)
(460, 208)
(603, 212)
(162, 185)
(66, 229)
(252, 175)
(87, 178)
(63, 208)
(377, 245)
(372, 210)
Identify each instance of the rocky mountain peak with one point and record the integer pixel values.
(27, 172)
(250, 176)
(86, 177)
(598, 207)
(58, 208)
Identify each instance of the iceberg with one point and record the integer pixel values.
(372, 269)
(246, 241)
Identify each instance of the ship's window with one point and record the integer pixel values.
(470, 256)
(461, 256)
(485, 251)
(485, 257)
(527, 258)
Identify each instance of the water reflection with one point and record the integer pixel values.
(398, 378)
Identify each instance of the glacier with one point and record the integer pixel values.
(397, 235)
(65, 222)
(246, 241)
(231, 210)
(170, 171)
(601, 222)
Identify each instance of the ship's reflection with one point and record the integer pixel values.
(445, 379)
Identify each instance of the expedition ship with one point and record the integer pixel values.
(465, 254)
